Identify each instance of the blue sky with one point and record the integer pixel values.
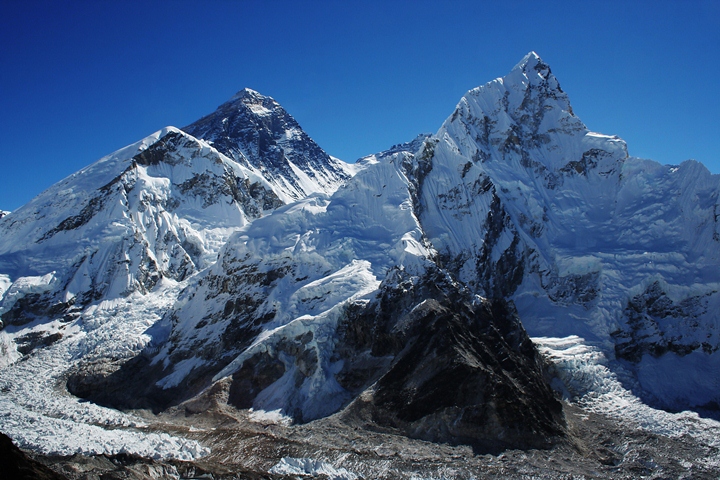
(80, 79)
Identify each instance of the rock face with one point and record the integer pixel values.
(399, 300)
(432, 361)
(17, 465)
(255, 131)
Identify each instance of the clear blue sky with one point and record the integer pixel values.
(80, 79)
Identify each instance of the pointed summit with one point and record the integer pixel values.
(247, 93)
(524, 111)
(259, 134)
(529, 61)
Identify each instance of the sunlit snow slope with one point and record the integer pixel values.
(524, 202)
(265, 271)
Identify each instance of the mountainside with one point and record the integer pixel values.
(451, 289)
(522, 201)
(260, 135)
(160, 208)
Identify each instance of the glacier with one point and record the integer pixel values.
(234, 263)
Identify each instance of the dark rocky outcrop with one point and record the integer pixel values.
(655, 324)
(257, 132)
(463, 370)
(16, 465)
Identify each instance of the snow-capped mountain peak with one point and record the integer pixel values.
(255, 131)
(268, 278)
(247, 93)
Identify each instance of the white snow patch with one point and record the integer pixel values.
(5, 283)
(273, 416)
(308, 467)
(582, 373)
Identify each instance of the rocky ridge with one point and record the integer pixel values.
(398, 301)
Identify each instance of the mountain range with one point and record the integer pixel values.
(476, 287)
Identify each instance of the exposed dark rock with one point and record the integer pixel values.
(257, 132)
(646, 330)
(15, 465)
(463, 370)
(30, 341)
(33, 306)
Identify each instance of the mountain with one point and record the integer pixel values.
(260, 135)
(513, 199)
(160, 208)
(513, 281)
(584, 239)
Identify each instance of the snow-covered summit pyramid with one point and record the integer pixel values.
(160, 208)
(255, 131)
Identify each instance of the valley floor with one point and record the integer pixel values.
(599, 447)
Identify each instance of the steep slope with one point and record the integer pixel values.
(337, 301)
(255, 131)
(160, 208)
(522, 201)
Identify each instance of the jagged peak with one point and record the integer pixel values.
(531, 79)
(248, 94)
(529, 61)
(531, 70)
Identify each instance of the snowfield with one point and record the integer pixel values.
(238, 242)
(38, 413)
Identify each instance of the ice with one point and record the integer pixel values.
(307, 467)
(37, 412)
(586, 377)
(5, 283)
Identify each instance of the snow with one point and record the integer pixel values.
(678, 381)
(5, 283)
(37, 412)
(590, 380)
(307, 467)
(338, 249)
(10, 294)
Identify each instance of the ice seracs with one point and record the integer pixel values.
(277, 279)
